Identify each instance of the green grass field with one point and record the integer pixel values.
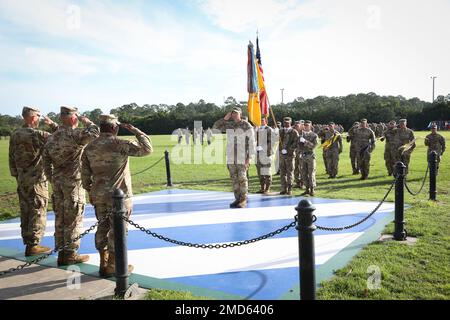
(408, 272)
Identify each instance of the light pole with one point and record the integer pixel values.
(282, 96)
(433, 86)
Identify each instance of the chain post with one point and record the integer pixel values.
(433, 159)
(305, 229)
(400, 173)
(169, 176)
(120, 243)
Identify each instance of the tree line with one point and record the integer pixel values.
(164, 118)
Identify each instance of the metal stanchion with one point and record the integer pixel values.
(433, 160)
(400, 173)
(169, 176)
(305, 229)
(120, 244)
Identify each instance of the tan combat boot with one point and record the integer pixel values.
(242, 204)
(104, 256)
(74, 258)
(311, 192)
(31, 250)
(110, 269)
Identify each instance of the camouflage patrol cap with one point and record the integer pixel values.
(68, 111)
(109, 119)
(434, 126)
(356, 123)
(331, 123)
(297, 122)
(236, 109)
(278, 123)
(402, 121)
(287, 119)
(363, 120)
(28, 111)
(308, 122)
(302, 121)
(392, 122)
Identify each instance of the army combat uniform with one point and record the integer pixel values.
(364, 139)
(353, 151)
(390, 149)
(288, 144)
(62, 163)
(25, 163)
(105, 167)
(264, 152)
(240, 148)
(331, 151)
(435, 142)
(405, 137)
(308, 157)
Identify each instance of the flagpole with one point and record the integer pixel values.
(271, 112)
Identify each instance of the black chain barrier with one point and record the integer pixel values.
(45, 256)
(150, 167)
(361, 221)
(210, 246)
(421, 187)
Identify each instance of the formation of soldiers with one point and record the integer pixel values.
(73, 160)
(296, 158)
(198, 134)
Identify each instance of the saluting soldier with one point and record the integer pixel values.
(240, 148)
(25, 164)
(299, 126)
(62, 164)
(435, 142)
(309, 141)
(364, 139)
(288, 144)
(264, 152)
(353, 151)
(391, 146)
(332, 147)
(105, 167)
(407, 143)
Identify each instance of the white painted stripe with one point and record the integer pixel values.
(197, 218)
(172, 262)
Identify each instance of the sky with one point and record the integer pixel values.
(107, 53)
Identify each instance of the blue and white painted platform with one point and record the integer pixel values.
(267, 269)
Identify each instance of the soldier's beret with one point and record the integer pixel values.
(68, 111)
(363, 120)
(237, 109)
(401, 120)
(109, 119)
(27, 111)
(287, 119)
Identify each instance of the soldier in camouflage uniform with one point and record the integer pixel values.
(353, 152)
(391, 146)
(25, 164)
(407, 144)
(62, 164)
(435, 142)
(332, 147)
(364, 139)
(308, 141)
(276, 130)
(264, 136)
(288, 144)
(240, 148)
(299, 126)
(105, 167)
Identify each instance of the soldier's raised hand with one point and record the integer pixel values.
(85, 120)
(48, 121)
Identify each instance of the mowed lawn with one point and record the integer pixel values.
(407, 272)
